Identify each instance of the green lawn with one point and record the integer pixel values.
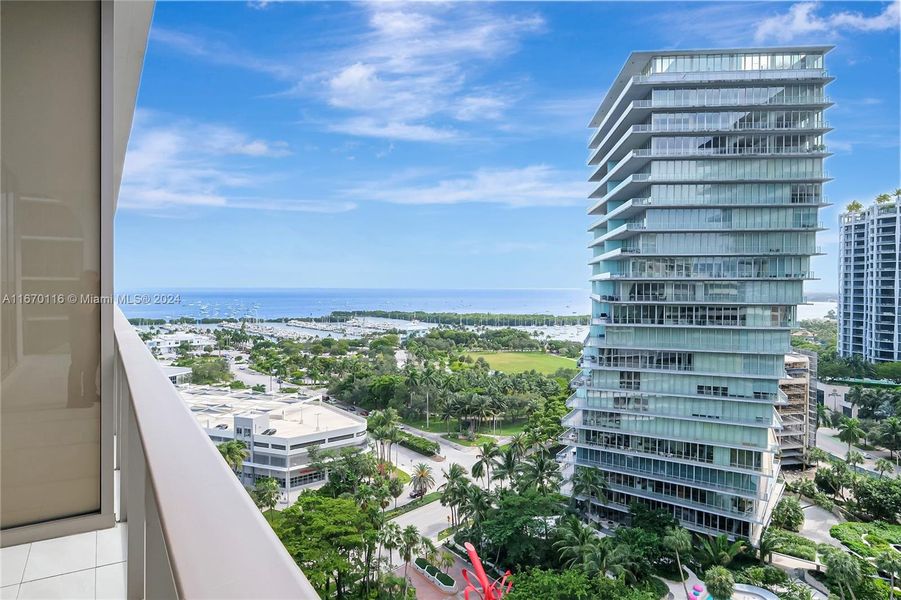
(480, 439)
(520, 362)
(402, 475)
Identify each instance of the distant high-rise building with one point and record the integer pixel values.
(708, 166)
(869, 294)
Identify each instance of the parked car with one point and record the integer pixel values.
(416, 494)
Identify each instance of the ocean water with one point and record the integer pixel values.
(307, 302)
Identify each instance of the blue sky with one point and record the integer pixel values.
(432, 145)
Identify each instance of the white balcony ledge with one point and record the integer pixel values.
(193, 531)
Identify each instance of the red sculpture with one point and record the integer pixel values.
(494, 590)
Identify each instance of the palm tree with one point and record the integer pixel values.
(678, 541)
(883, 198)
(483, 411)
(720, 584)
(235, 453)
(446, 560)
(383, 428)
(576, 544)
(883, 465)
(447, 410)
(850, 431)
(265, 493)
(453, 491)
(476, 505)
(506, 465)
(395, 488)
(889, 562)
(410, 542)
(389, 538)
(817, 455)
(590, 483)
(842, 475)
(890, 434)
(395, 436)
(541, 472)
(488, 451)
(853, 459)
(428, 550)
(411, 379)
(428, 379)
(422, 479)
(719, 550)
(854, 206)
(856, 395)
(844, 571)
(518, 444)
(769, 543)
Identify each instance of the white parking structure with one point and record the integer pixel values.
(278, 430)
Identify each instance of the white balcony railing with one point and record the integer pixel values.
(193, 531)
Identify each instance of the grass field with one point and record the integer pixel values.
(519, 362)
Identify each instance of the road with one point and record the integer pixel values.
(430, 519)
(247, 375)
(827, 440)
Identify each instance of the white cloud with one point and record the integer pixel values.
(395, 130)
(804, 18)
(409, 65)
(399, 23)
(178, 163)
(480, 108)
(259, 4)
(218, 51)
(536, 185)
(413, 65)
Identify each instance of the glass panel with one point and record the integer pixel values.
(50, 251)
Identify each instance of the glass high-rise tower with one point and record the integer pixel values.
(869, 272)
(708, 167)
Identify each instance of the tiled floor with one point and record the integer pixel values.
(88, 565)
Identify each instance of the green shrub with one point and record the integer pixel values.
(767, 576)
(654, 585)
(793, 544)
(867, 539)
(823, 501)
(434, 571)
(788, 514)
(419, 444)
(670, 571)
